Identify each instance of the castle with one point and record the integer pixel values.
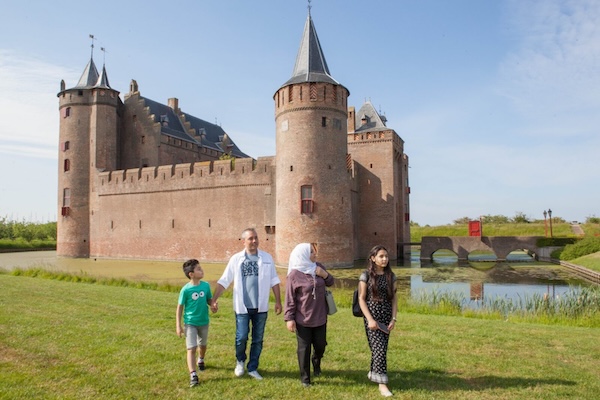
(139, 179)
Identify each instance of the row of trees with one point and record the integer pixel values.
(519, 218)
(28, 231)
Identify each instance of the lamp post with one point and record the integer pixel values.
(545, 223)
(550, 218)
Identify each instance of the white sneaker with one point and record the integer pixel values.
(239, 368)
(255, 375)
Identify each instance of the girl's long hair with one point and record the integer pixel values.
(387, 272)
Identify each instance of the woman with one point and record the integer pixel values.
(306, 308)
(378, 301)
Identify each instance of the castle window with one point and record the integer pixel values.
(66, 197)
(313, 91)
(66, 165)
(325, 93)
(307, 203)
(290, 94)
(334, 94)
(80, 92)
(337, 123)
(323, 121)
(66, 112)
(300, 93)
(143, 139)
(64, 146)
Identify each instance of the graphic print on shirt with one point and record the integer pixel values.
(249, 268)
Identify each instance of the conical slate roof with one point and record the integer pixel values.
(310, 61)
(102, 81)
(89, 78)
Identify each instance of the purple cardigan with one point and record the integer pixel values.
(300, 305)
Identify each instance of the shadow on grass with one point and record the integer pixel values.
(425, 379)
(438, 380)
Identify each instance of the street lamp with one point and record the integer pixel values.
(550, 218)
(545, 223)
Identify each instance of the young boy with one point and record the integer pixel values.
(194, 299)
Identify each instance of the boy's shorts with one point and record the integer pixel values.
(196, 336)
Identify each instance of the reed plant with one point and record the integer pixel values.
(576, 307)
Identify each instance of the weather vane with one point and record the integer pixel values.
(93, 38)
(309, 6)
(103, 55)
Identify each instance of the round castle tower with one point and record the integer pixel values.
(87, 143)
(313, 181)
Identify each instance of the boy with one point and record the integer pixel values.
(194, 299)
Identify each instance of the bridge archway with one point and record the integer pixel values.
(482, 255)
(444, 256)
(501, 246)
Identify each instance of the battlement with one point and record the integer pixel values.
(375, 136)
(190, 176)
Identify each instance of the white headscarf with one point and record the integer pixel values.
(300, 260)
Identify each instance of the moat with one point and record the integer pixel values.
(519, 276)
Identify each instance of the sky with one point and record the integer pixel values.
(497, 101)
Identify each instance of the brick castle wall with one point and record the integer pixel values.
(175, 212)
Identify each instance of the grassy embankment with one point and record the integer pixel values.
(81, 341)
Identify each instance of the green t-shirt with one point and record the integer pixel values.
(194, 300)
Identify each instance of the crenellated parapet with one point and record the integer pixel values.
(190, 176)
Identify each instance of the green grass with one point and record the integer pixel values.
(67, 340)
(591, 261)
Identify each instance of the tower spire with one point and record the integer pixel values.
(310, 62)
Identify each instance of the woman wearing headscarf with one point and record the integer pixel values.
(306, 308)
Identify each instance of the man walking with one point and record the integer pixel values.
(253, 274)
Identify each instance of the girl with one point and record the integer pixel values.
(378, 301)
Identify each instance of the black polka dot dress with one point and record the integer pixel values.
(378, 340)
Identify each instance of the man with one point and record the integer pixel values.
(253, 273)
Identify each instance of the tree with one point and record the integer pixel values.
(520, 218)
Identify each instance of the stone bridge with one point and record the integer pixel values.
(501, 246)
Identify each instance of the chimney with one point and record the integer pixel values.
(351, 120)
(174, 104)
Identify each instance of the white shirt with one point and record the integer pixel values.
(267, 278)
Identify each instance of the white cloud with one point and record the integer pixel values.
(554, 68)
(29, 105)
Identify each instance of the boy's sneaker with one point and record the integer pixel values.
(255, 375)
(239, 368)
(193, 380)
(201, 365)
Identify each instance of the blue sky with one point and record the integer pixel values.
(497, 101)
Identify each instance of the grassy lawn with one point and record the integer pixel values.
(65, 340)
(591, 261)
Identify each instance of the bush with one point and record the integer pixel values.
(592, 219)
(581, 248)
(555, 241)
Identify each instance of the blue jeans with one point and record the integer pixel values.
(242, 328)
